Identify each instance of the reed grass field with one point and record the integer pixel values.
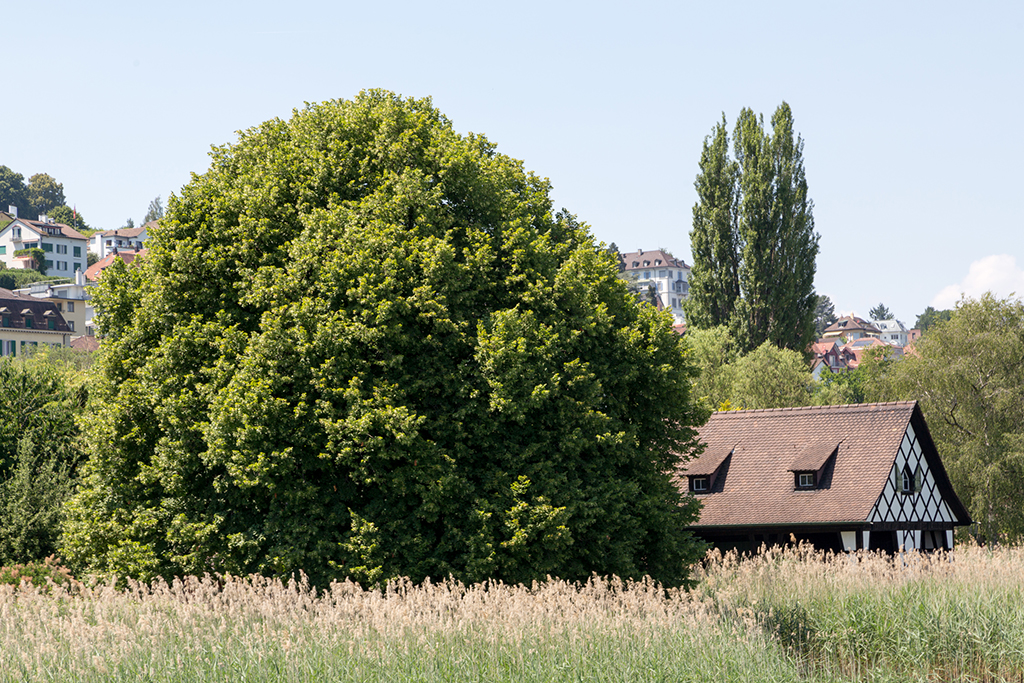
(780, 615)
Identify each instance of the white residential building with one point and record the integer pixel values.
(112, 241)
(668, 276)
(892, 332)
(64, 247)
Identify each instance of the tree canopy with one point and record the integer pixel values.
(155, 211)
(824, 315)
(44, 193)
(754, 245)
(968, 375)
(880, 312)
(363, 346)
(931, 317)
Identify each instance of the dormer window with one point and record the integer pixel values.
(809, 466)
(705, 470)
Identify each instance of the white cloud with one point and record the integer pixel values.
(998, 274)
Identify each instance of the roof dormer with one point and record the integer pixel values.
(704, 472)
(810, 464)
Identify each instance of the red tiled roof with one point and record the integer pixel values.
(756, 485)
(127, 255)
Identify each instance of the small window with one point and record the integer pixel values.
(3, 249)
(700, 483)
(28, 322)
(47, 246)
(51, 324)
(909, 480)
(7, 321)
(78, 252)
(805, 480)
(647, 275)
(71, 307)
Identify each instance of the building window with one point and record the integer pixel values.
(62, 248)
(71, 307)
(47, 246)
(48, 264)
(78, 252)
(909, 480)
(28, 322)
(78, 266)
(3, 250)
(647, 275)
(7, 321)
(71, 325)
(661, 273)
(51, 324)
(805, 480)
(699, 484)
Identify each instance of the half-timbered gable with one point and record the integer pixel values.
(840, 477)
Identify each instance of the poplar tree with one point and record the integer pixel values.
(776, 246)
(714, 241)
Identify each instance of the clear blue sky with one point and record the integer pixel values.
(910, 112)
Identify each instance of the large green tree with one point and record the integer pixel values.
(363, 346)
(758, 203)
(714, 240)
(931, 317)
(44, 193)
(13, 192)
(969, 377)
(68, 216)
(39, 451)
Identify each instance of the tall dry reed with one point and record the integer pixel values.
(256, 629)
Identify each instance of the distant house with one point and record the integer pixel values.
(26, 321)
(892, 332)
(840, 477)
(851, 327)
(128, 256)
(64, 247)
(112, 241)
(827, 357)
(853, 351)
(668, 276)
(72, 298)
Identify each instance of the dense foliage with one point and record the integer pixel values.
(754, 245)
(968, 375)
(362, 346)
(39, 453)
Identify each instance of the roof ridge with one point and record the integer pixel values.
(815, 408)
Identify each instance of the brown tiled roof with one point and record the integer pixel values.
(126, 232)
(64, 230)
(709, 461)
(851, 323)
(16, 307)
(650, 259)
(756, 487)
(85, 343)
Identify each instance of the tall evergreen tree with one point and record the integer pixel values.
(714, 240)
(776, 245)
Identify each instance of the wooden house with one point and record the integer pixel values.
(840, 477)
